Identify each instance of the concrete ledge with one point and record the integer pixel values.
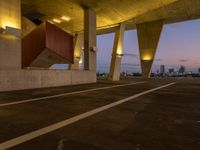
(29, 79)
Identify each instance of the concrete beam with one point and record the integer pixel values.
(89, 39)
(148, 38)
(78, 45)
(115, 65)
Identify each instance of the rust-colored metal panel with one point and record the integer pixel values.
(59, 41)
(33, 44)
(47, 36)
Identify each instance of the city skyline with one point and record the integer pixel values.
(179, 45)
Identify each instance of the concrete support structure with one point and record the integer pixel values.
(10, 42)
(115, 65)
(12, 76)
(89, 40)
(27, 26)
(148, 38)
(78, 46)
(29, 79)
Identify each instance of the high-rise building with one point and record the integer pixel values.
(162, 70)
(181, 69)
(171, 70)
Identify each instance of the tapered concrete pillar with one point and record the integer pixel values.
(78, 45)
(115, 65)
(89, 40)
(148, 38)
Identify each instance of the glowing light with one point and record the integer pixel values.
(56, 20)
(77, 54)
(120, 47)
(8, 24)
(80, 61)
(119, 55)
(119, 51)
(146, 57)
(10, 15)
(65, 18)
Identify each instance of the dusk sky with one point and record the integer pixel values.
(179, 45)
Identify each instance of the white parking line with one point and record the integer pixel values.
(53, 127)
(65, 94)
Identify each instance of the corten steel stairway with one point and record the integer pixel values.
(47, 45)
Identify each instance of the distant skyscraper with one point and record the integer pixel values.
(171, 70)
(199, 70)
(181, 69)
(162, 69)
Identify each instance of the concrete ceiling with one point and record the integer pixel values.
(112, 12)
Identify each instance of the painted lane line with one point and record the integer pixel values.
(53, 127)
(66, 94)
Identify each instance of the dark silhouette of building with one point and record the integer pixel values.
(162, 70)
(181, 69)
(171, 70)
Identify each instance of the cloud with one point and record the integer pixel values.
(196, 63)
(183, 60)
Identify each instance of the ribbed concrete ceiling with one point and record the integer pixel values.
(111, 12)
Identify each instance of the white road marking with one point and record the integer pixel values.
(65, 94)
(53, 127)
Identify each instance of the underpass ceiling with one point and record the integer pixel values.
(112, 12)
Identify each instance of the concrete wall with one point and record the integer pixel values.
(10, 52)
(29, 79)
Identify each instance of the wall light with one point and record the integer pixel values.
(13, 31)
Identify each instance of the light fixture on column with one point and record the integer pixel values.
(146, 58)
(80, 61)
(119, 55)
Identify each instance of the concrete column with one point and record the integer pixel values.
(78, 45)
(10, 34)
(115, 65)
(89, 40)
(148, 38)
